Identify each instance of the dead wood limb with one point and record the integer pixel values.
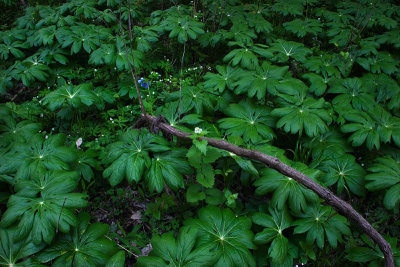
(330, 198)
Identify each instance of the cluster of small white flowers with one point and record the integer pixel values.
(198, 130)
(153, 93)
(155, 73)
(196, 68)
(112, 120)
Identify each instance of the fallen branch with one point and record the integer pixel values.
(330, 198)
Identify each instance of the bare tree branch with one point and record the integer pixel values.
(330, 198)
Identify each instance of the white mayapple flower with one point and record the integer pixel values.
(198, 130)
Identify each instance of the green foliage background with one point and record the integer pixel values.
(313, 83)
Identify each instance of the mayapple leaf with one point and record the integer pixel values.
(274, 225)
(303, 27)
(306, 114)
(12, 250)
(38, 155)
(228, 235)
(285, 189)
(251, 122)
(344, 171)
(183, 251)
(167, 168)
(385, 175)
(260, 81)
(129, 156)
(44, 204)
(283, 50)
(84, 245)
(320, 222)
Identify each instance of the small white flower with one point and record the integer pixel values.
(46, 137)
(95, 70)
(41, 115)
(78, 142)
(111, 119)
(52, 129)
(198, 130)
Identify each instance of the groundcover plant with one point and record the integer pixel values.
(199, 133)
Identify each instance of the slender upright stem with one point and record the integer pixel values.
(180, 82)
(132, 69)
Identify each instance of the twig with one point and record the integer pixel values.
(131, 69)
(59, 216)
(180, 82)
(354, 30)
(17, 94)
(330, 198)
(133, 58)
(127, 250)
(331, 215)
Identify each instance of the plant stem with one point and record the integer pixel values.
(180, 82)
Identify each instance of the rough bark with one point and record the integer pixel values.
(330, 198)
